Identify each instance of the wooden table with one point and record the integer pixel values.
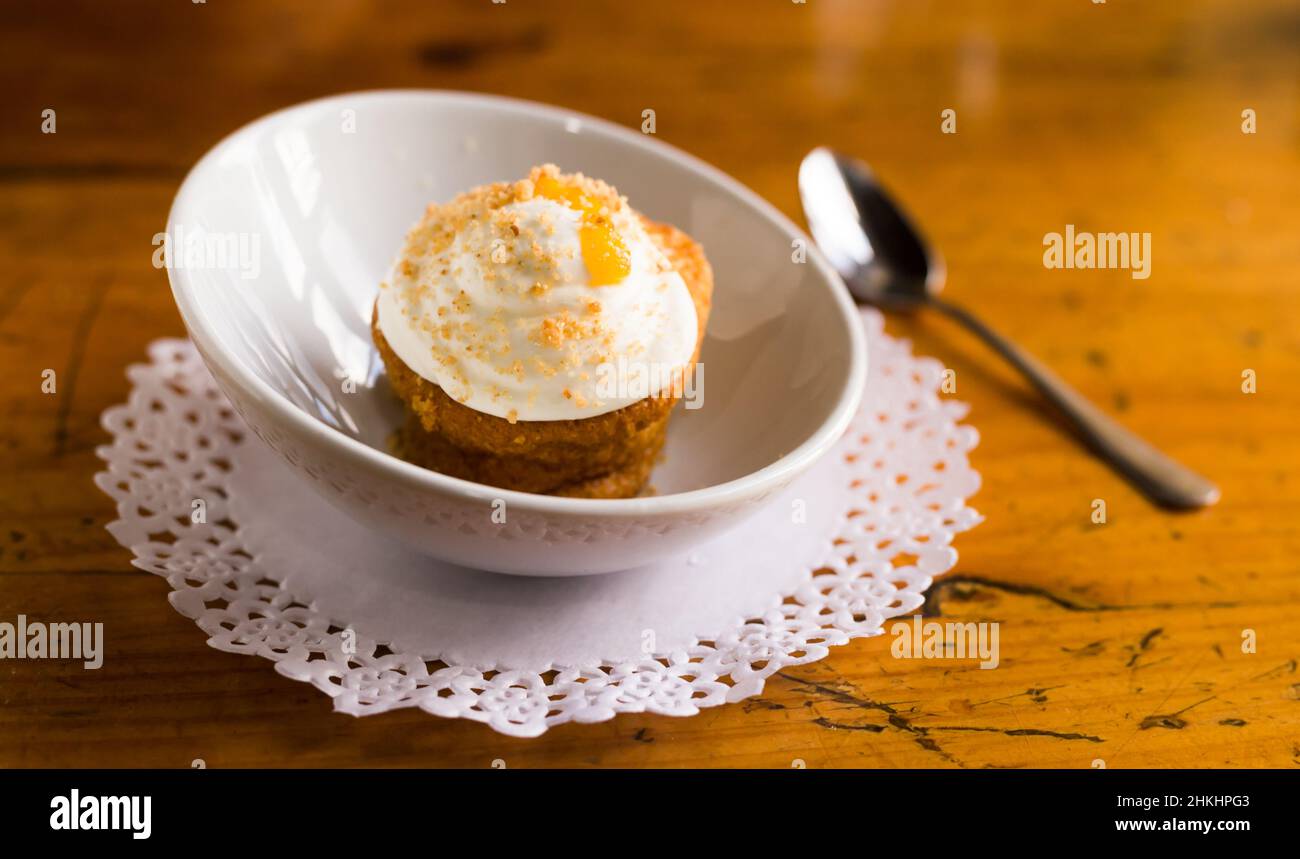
(1120, 641)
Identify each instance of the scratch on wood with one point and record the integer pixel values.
(1171, 721)
(76, 356)
(1289, 667)
(921, 734)
(1092, 649)
(1162, 721)
(1021, 732)
(1146, 665)
(823, 722)
(895, 719)
(1037, 695)
(752, 704)
(933, 605)
(1144, 645)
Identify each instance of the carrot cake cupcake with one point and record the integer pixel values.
(539, 333)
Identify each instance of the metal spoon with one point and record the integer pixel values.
(885, 261)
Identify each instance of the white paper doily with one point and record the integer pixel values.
(274, 571)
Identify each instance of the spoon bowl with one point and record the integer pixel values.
(867, 237)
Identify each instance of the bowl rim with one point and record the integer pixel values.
(789, 464)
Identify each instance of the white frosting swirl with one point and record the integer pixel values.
(504, 319)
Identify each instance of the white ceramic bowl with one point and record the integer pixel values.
(281, 234)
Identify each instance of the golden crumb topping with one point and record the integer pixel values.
(514, 293)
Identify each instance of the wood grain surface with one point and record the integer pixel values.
(1120, 641)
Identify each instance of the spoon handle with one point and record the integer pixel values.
(1160, 478)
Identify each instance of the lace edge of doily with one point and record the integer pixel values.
(351, 685)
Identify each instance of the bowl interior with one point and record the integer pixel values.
(281, 235)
